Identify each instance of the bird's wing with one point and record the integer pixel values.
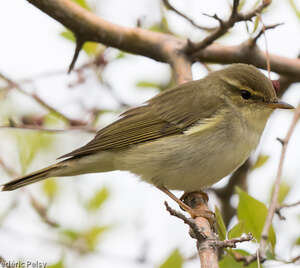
(169, 113)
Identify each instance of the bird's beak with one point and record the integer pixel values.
(279, 105)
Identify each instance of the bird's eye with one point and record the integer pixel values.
(245, 94)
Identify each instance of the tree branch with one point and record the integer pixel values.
(245, 53)
(207, 251)
(88, 27)
(159, 46)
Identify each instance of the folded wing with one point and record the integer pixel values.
(169, 113)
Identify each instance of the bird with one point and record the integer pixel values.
(185, 138)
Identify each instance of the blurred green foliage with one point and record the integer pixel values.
(90, 48)
(98, 199)
(50, 188)
(253, 214)
(229, 262)
(29, 143)
(59, 264)
(260, 161)
(237, 230)
(174, 260)
(84, 241)
(295, 9)
(220, 224)
(83, 4)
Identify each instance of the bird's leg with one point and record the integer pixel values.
(197, 201)
(177, 200)
(194, 212)
(186, 194)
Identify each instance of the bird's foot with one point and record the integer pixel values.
(186, 195)
(192, 203)
(197, 205)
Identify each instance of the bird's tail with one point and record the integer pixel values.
(51, 171)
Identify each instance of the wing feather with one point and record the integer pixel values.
(169, 113)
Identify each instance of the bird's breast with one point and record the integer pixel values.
(191, 162)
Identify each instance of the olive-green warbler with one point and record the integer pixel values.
(185, 138)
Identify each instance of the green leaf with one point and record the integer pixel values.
(89, 237)
(297, 242)
(68, 35)
(220, 224)
(257, 2)
(146, 84)
(256, 23)
(121, 55)
(295, 9)
(98, 199)
(59, 264)
(83, 4)
(253, 213)
(241, 5)
(50, 188)
(72, 235)
(29, 144)
(175, 260)
(53, 120)
(260, 161)
(90, 48)
(228, 261)
(270, 255)
(161, 27)
(237, 230)
(92, 236)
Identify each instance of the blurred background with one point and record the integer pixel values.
(113, 219)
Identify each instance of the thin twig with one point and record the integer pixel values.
(280, 207)
(50, 130)
(265, 28)
(10, 171)
(224, 26)
(197, 234)
(170, 7)
(289, 205)
(274, 201)
(42, 212)
(79, 45)
(18, 87)
(266, 46)
(231, 243)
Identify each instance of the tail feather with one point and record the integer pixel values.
(31, 178)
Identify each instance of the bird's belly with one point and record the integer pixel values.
(196, 174)
(177, 163)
